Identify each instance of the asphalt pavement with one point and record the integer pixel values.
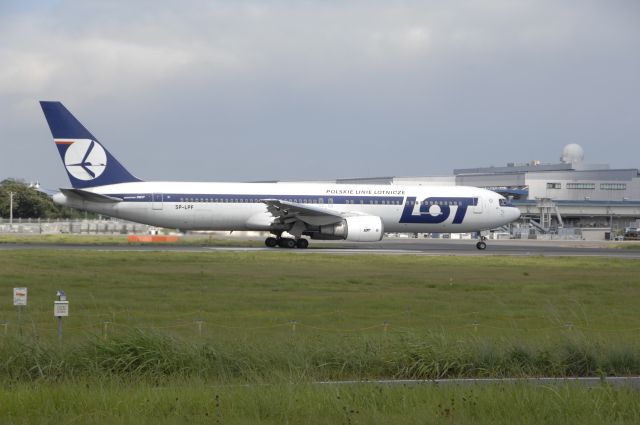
(397, 246)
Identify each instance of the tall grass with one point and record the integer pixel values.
(196, 402)
(157, 357)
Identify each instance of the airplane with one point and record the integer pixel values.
(325, 211)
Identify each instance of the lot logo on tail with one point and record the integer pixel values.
(85, 159)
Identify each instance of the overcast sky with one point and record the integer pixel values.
(259, 90)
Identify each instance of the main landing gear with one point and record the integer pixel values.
(482, 245)
(272, 242)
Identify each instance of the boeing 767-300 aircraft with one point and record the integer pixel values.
(360, 213)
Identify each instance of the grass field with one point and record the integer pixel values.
(194, 402)
(171, 323)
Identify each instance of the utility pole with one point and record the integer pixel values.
(11, 209)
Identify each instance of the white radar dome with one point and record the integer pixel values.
(572, 153)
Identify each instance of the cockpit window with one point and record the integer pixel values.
(505, 203)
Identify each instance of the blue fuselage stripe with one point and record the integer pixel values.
(247, 198)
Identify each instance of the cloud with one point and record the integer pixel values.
(326, 82)
(98, 45)
(93, 63)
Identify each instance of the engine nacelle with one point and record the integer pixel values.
(367, 228)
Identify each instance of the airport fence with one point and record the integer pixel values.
(40, 323)
(62, 226)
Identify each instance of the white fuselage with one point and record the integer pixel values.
(238, 206)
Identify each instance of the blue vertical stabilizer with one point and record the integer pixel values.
(87, 162)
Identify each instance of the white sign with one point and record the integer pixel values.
(61, 308)
(19, 296)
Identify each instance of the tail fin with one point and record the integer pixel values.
(87, 162)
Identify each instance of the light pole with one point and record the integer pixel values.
(11, 209)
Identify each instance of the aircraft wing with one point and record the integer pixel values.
(288, 212)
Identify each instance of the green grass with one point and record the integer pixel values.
(254, 294)
(272, 323)
(159, 358)
(326, 316)
(627, 245)
(195, 402)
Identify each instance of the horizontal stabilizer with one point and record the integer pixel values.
(85, 195)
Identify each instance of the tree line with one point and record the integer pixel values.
(29, 202)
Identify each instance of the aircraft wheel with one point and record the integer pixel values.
(286, 243)
(481, 245)
(271, 242)
(302, 243)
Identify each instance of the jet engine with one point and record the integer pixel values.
(367, 228)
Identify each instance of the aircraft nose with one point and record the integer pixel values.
(514, 213)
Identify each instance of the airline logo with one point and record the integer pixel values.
(85, 159)
(436, 210)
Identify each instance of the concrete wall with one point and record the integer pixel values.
(594, 234)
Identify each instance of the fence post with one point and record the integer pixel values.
(60, 329)
(20, 320)
(105, 329)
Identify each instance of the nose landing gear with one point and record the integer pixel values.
(482, 245)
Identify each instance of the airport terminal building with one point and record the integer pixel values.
(591, 201)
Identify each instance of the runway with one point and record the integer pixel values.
(425, 247)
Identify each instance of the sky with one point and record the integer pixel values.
(200, 90)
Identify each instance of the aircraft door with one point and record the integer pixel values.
(156, 203)
(479, 206)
